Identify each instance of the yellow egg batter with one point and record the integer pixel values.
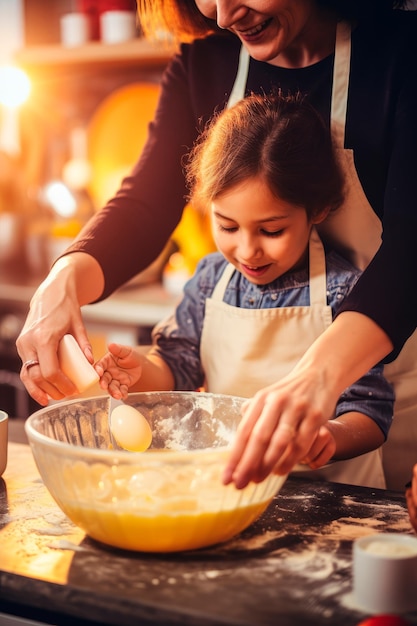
(153, 506)
(163, 532)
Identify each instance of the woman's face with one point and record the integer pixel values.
(265, 27)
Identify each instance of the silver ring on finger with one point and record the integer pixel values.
(31, 363)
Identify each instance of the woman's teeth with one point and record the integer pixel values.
(257, 29)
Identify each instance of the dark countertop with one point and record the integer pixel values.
(292, 566)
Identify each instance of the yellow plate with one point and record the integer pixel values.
(116, 136)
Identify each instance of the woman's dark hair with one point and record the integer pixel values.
(280, 139)
(184, 21)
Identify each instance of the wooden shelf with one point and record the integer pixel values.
(138, 52)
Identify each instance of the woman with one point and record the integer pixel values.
(356, 63)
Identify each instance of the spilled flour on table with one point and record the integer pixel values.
(64, 544)
(314, 566)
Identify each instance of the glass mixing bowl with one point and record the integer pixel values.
(167, 499)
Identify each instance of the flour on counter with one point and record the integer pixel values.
(63, 544)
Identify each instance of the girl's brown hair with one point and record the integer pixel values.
(281, 139)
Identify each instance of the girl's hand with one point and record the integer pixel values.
(119, 369)
(411, 498)
(322, 449)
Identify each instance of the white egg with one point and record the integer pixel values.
(130, 428)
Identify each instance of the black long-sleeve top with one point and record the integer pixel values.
(381, 128)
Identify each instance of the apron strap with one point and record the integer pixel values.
(238, 91)
(341, 73)
(220, 288)
(318, 283)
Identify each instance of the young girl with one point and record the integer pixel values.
(266, 170)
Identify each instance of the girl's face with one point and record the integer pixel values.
(262, 236)
(265, 27)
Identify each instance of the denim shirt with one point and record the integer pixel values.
(177, 338)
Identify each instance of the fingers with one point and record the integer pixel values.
(39, 387)
(277, 429)
(80, 335)
(322, 449)
(263, 436)
(118, 370)
(40, 372)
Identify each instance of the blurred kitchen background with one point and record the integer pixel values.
(74, 109)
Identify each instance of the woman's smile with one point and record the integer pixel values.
(251, 34)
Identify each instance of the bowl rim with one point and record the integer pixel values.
(158, 456)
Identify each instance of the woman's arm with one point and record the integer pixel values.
(117, 243)
(74, 280)
(280, 422)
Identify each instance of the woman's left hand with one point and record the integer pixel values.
(279, 425)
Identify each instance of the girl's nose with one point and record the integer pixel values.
(249, 250)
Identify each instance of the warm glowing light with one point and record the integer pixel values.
(60, 198)
(14, 86)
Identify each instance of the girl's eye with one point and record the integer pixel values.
(229, 229)
(273, 233)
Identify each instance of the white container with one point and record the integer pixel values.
(385, 573)
(4, 419)
(117, 26)
(75, 29)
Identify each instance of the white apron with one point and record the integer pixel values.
(356, 230)
(244, 350)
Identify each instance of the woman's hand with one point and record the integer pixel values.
(281, 421)
(74, 280)
(119, 369)
(278, 427)
(411, 498)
